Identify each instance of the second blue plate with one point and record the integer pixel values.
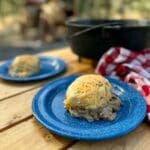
(49, 66)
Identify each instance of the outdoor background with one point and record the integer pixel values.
(36, 27)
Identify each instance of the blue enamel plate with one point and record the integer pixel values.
(49, 66)
(48, 109)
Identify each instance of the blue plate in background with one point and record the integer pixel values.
(49, 66)
(48, 109)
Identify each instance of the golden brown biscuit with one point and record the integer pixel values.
(89, 94)
(89, 91)
(24, 66)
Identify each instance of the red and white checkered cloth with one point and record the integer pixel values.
(129, 66)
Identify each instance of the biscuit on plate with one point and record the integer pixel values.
(24, 66)
(90, 97)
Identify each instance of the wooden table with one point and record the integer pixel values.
(20, 131)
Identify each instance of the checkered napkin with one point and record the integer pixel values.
(129, 66)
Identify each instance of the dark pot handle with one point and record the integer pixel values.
(103, 26)
(106, 30)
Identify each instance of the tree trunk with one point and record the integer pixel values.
(107, 6)
(122, 8)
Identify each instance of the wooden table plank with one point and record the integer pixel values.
(22, 102)
(64, 53)
(16, 109)
(29, 135)
(136, 140)
(9, 89)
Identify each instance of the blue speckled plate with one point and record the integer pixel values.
(49, 110)
(49, 66)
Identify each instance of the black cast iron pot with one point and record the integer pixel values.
(91, 38)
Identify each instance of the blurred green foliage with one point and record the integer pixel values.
(111, 8)
(91, 8)
(10, 7)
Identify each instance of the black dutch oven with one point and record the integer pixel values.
(91, 38)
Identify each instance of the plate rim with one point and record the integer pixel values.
(61, 133)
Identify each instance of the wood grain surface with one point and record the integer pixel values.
(29, 135)
(20, 131)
